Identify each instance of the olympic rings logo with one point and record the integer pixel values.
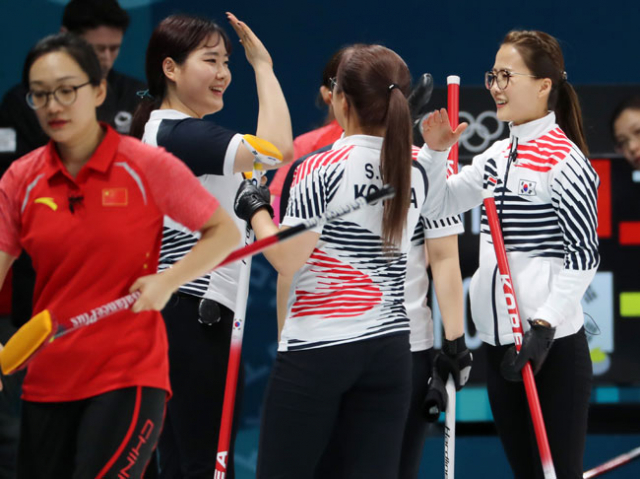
(477, 129)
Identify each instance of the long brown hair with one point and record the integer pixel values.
(543, 56)
(376, 83)
(175, 37)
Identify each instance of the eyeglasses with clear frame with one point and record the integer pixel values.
(501, 78)
(65, 95)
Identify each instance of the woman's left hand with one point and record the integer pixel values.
(154, 293)
(256, 52)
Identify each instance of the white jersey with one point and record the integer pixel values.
(546, 195)
(209, 151)
(348, 290)
(416, 286)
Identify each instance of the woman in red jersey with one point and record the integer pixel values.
(88, 208)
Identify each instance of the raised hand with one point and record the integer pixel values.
(255, 51)
(437, 132)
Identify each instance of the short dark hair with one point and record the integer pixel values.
(75, 46)
(630, 103)
(82, 15)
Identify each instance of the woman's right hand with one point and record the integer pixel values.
(255, 51)
(437, 132)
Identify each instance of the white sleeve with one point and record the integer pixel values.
(449, 226)
(459, 193)
(574, 194)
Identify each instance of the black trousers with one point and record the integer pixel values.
(564, 387)
(198, 357)
(415, 429)
(361, 389)
(111, 435)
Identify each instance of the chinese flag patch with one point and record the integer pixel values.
(115, 197)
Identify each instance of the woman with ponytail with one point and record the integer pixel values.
(546, 196)
(344, 362)
(187, 67)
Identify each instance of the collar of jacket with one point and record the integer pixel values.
(533, 129)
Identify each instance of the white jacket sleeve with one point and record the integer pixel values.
(459, 193)
(574, 196)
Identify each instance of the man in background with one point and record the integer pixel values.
(103, 24)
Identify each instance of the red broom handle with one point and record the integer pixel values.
(516, 325)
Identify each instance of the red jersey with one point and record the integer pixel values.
(90, 237)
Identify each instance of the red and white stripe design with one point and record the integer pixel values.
(342, 291)
(543, 153)
(319, 160)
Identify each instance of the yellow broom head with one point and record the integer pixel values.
(25, 342)
(264, 151)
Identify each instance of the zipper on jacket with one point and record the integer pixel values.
(513, 156)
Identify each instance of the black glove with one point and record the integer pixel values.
(535, 347)
(250, 199)
(418, 104)
(436, 399)
(455, 359)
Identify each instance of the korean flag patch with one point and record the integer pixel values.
(527, 188)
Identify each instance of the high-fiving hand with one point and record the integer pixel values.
(437, 132)
(255, 51)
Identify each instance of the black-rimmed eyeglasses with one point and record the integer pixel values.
(501, 78)
(65, 95)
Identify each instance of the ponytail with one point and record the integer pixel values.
(395, 163)
(376, 83)
(569, 115)
(542, 54)
(141, 116)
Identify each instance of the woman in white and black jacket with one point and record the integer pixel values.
(546, 197)
(187, 65)
(344, 361)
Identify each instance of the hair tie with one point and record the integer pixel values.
(145, 94)
(392, 86)
(564, 76)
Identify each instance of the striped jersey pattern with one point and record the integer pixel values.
(335, 289)
(568, 218)
(209, 151)
(176, 243)
(312, 202)
(352, 286)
